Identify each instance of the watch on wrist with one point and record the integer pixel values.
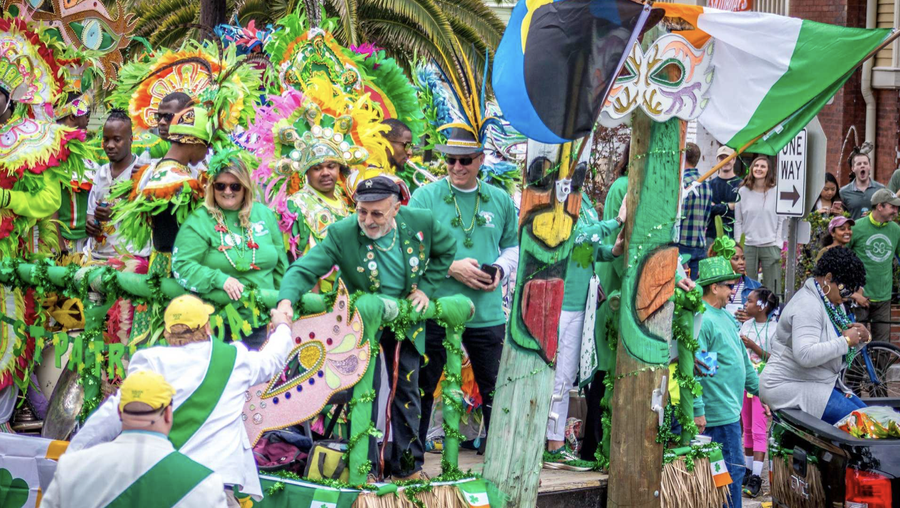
(619, 220)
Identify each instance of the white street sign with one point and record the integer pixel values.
(790, 196)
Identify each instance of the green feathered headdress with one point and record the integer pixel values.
(230, 86)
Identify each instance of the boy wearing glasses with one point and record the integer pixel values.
(484, 223)
(717, 413)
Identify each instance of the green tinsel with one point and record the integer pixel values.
(70, 285)
(693, 453)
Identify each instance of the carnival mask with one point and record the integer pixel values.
(669, 80)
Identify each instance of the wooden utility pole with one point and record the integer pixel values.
(635, 457)
(522, 399)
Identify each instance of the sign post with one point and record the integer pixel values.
(801, 176)
(790, 195)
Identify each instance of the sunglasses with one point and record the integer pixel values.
(235, 187)
(164, 116)
(464, 161)
(729, 286)
(844, 291)
(406, 146)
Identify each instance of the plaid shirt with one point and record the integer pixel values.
(695, 211)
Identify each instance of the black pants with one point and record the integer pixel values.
(484, 345)
(593, 426)
(256, 339)
(405, 411)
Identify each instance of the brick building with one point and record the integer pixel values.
(876, 86)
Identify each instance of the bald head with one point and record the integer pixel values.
(140, 416)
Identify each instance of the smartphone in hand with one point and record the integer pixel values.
(490, 270)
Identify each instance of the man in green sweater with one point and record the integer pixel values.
(717, 412)
(876, 240)
(484, 225)
(397, 252)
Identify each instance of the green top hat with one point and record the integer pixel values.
(715, 269)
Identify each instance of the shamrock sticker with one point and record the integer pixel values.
(13, 491)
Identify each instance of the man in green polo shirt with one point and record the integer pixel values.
(876, 240)
(484, 223)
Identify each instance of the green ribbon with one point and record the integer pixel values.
(194, 411)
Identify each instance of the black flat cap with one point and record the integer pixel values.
(375, 189)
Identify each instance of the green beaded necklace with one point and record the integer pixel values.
(458, 220)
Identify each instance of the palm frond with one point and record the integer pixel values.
(260, 11)
(347, 12)
(474, 15)
(423, 14)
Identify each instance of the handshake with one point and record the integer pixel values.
(280, 316)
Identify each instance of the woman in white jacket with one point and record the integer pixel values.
(755, 217)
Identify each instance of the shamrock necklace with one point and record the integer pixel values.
(458, 220)
(241, 265)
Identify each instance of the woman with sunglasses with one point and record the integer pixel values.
(815, 335)
(230, 243)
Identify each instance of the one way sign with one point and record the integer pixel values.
(791, 190)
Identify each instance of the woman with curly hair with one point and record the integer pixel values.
(813, 337)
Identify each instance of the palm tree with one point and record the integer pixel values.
(439, 29)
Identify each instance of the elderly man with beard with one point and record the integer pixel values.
(393, 251)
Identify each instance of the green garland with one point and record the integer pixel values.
(690, 454)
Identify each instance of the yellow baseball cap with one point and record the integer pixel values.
(148, 387)
(188, 310)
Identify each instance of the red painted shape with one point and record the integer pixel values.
(541, 306)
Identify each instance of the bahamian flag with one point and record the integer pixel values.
(558, 60)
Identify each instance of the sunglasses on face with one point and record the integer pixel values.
(235, 187)
(164, 116)
(463, 161)
(844, 291)
(406, 146)
(729, 286)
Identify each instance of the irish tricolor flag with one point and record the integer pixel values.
(769, 66)
(475, 493)
(718, 468)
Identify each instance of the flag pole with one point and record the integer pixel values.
(894, 34)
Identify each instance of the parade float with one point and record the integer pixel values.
(56, 319)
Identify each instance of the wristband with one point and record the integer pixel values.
(5, 198)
